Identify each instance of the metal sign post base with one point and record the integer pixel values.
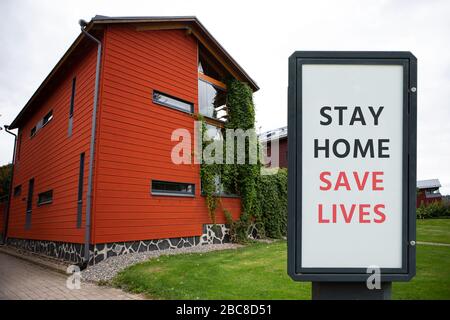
(349, 291)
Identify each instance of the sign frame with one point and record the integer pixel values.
(409, 123)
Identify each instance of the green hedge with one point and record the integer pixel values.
(270, 210)
(436, 209)
(271, 205)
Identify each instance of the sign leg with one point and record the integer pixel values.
(349, 291)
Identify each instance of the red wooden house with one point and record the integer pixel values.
(428, 192)
(154, 74)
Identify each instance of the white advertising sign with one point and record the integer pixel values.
(352, 138)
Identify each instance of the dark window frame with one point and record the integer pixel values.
(72, 97)
(41, 202)
(17, 190)
(80, 191)
(33, 131)
(29, 207)
(161, 192)
(155, 92)
(47, 118)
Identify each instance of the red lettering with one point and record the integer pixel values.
(375, 181)
(342, 181)
(377, 211)
(360, 184)
(363, 213)
(348, 216)
(321, 219)
(324, 180)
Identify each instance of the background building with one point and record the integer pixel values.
(281, 135)
(428, 191)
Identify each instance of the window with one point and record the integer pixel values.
(45, 197)
(29, 204)
(172, 188)
(72, 105)
(19, 143)
(41, 123)
(213, 133)
(33, 131)
(17, 190)
(48, 117)
(211, 100)
(72, 97)
(172, 102)
(80, 191)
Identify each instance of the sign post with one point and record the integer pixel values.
(352, 172)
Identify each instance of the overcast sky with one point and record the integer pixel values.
(260, 35)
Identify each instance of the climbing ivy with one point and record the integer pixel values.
(263, 198)
(241, 177)
(208, 173)
(272, 203)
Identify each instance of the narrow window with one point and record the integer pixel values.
(80, 191)
(48, 117)
(45, 197)
(29, 204)
(166, 188)
(72, 104)
(172, 102)
(72, 97)
(19, 143)
(17, 190)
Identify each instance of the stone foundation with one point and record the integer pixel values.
(74, 252)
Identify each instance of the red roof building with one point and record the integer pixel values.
(428, 192)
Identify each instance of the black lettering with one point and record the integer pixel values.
(325, 115)
(376, 115)
(382, 148)
(341, 113)
(357, 116)
(335, 148)
(326, 148)
(363, 152)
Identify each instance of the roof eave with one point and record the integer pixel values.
(14, 124)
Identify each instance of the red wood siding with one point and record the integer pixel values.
(52, 158)
(282, 152)
(423, 199)
(134, 141)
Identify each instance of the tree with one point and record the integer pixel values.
(5, 179)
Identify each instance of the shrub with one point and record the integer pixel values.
(437, 209)
(270, 211)
(272, 204)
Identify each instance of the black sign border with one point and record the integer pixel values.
(296, 60)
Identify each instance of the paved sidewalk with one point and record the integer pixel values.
(20, 279)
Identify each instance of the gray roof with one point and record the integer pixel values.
(430, 183)
(278, 133)
(190, 21)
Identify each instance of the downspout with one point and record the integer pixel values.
(8, 205)
(87, 236)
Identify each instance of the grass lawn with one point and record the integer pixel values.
(433, 230)
(258, 271)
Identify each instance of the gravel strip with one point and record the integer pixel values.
(107, 269)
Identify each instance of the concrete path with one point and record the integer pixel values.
(434, 244)
(20, 279)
